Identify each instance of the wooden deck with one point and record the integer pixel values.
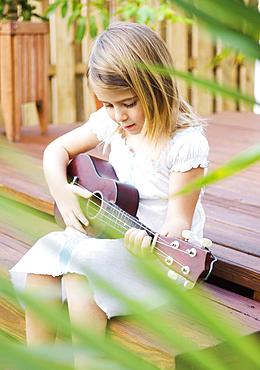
(233, 223)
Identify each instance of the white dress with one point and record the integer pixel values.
(107, 260)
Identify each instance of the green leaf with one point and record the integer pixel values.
(81, 29)
(231, 36)
(128, 11)
(238, 163)
(105, 19)
(201, 83)
(93, 27)
(76, 14)
(52, 8)
(64, 9)
(145, 14)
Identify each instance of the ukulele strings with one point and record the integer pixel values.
(104, 217)
(123, 224)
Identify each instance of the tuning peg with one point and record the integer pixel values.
(189, 284)
(206, 243)
(172, 275)
(187, 234)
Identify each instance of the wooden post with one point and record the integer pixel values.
(177, 41)
(65, 71)
(204, 56)
(18, 69)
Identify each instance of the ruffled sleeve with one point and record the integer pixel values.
(188, 149)
(101, 124)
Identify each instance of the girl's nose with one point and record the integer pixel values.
(120, 115)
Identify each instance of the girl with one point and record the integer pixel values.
(157, 145)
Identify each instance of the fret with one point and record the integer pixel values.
(122, 221)
(108, 215)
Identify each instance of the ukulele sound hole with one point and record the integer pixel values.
(94, 205)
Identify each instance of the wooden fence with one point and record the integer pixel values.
(192, 48)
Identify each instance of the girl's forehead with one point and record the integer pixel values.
(115, 96)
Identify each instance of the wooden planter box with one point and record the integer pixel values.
(23, 73)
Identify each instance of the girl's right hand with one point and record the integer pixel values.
(67, 201)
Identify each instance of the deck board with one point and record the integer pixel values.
(232, 209)
(232, 206)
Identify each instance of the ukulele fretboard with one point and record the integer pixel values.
(122, 221)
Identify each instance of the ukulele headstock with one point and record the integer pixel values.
(183, 258)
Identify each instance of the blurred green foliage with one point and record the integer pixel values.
(238, 26)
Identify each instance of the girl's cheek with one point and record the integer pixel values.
(110, 113)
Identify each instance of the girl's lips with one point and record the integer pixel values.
(128, 127)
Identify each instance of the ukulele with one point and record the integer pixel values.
(111, 211)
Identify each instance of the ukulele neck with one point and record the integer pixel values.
(122, 221)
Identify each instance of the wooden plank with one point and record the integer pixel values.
(177, 40)
(232, 189)
(6, 65)
(31, 69)
(12, 320)
(231, 206)
(66, 103)
(223, 354)
(130, 332)
(17, 83)
(39, 64)
(44, 105)
(229, 216)
(237, 267)
(25, 70)
(245, 121)
(227, 236)
(230, 79)
(16, 28)
(205, 55)
(218, 71)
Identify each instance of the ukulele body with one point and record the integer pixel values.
(99, 177)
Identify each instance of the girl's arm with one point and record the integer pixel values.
(178, 218)
(55, 161)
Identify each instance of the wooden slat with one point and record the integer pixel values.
(17, 70)
(236, 267)
(227, 235)
(205, 54)
(31, 70)
(177, 40)
(39, 64)
(66, 104)
(44, 104)
(6, 65)
(25, 70)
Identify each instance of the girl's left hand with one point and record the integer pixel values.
(138, 243)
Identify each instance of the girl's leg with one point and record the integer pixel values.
(84, 312)
(48, 289)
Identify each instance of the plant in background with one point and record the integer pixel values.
(99, 8)
(133, 10)
(229, 24)
(18, 10)
(141, 12)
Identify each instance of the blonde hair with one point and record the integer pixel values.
(113, 64)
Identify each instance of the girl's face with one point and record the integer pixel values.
(123, 107)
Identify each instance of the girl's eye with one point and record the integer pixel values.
(130, 105)
(108, 106)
